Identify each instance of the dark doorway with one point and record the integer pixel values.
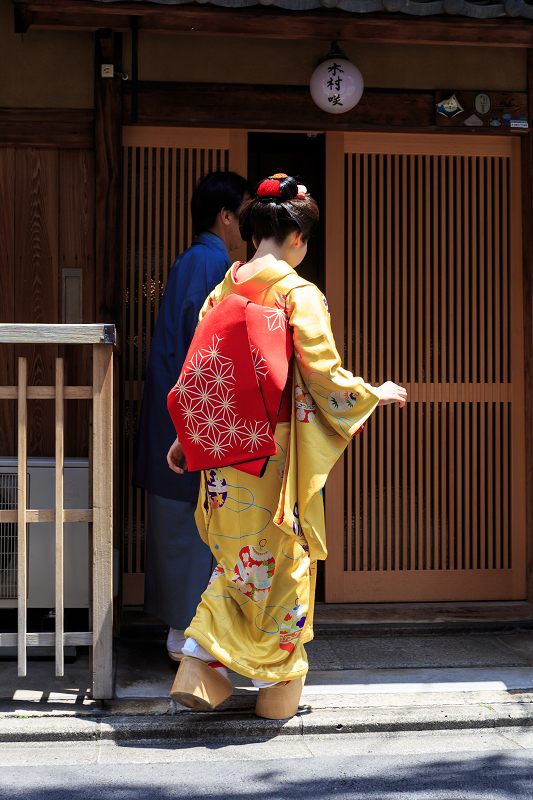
(302, 155)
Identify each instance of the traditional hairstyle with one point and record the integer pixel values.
(216, 191)
(280, 206)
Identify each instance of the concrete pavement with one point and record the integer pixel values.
(355, 685)
(461, 765)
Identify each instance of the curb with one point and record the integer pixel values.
(202, 726)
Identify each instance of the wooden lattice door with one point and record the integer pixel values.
(161, 168)
(424, 275)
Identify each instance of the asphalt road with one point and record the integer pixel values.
(439, 765)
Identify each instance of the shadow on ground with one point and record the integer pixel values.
(504, 776)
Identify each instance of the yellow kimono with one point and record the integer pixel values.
(267, 533)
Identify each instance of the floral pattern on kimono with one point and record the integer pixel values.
(267, 535)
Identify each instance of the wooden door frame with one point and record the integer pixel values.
(150, 142)
(337, 580)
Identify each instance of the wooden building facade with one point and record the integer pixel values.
(424, 251)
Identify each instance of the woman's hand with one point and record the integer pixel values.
(175, 457)
(390, 392)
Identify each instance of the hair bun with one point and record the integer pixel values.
(288, 187)
(281, 206)
(277, 187)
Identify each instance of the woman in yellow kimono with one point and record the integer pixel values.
(267, 533)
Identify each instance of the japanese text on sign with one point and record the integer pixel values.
(335, 83)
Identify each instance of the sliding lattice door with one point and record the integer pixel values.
(424, 280)
(161, 169)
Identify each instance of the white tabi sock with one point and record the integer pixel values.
(175, 640)
(194, 650)
(264, 684)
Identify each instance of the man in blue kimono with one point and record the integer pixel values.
(178, 564)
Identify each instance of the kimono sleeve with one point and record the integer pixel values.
(343, 401)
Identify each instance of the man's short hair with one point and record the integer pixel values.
(216, 191)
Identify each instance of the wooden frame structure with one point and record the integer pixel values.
(425, 236)
(260, 23)
(101, 338)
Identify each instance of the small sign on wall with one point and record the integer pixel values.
(482, 103)
(503, 112)
(72, 295)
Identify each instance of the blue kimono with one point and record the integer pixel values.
(178, 563)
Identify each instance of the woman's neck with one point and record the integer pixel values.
(268, 254)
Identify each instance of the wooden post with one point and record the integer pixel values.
(527, 246)
(59, 600)
(134, 69)
(21, 517)
(108, 179)
(102, 475)
(335, 272)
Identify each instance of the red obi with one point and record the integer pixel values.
(226, 402)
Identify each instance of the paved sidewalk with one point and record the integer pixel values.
(374, 684)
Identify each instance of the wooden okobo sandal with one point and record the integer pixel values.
(280, 701)
(198, 685)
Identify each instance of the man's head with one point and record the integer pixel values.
(216, 203)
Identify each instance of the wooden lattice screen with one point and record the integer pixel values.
(161, 169)
(100, 339)
(424, 281)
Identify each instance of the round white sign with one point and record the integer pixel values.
(336, 85)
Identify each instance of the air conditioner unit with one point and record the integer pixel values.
(41, 535)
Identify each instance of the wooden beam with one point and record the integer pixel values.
(57, 334)
(248, 106)
(273, 23)
(48, 392)
(22, 494)
(48, 127)
(34, 515)
(108, 179)
(274, 107)
(76, 638)
(58, 514)
(90, 21)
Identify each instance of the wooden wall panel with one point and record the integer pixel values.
(46, 223)
(37, 278)
(47, 127)
(7, 292)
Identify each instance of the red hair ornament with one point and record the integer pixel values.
(269, 188)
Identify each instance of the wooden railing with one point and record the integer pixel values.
(100, 515)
